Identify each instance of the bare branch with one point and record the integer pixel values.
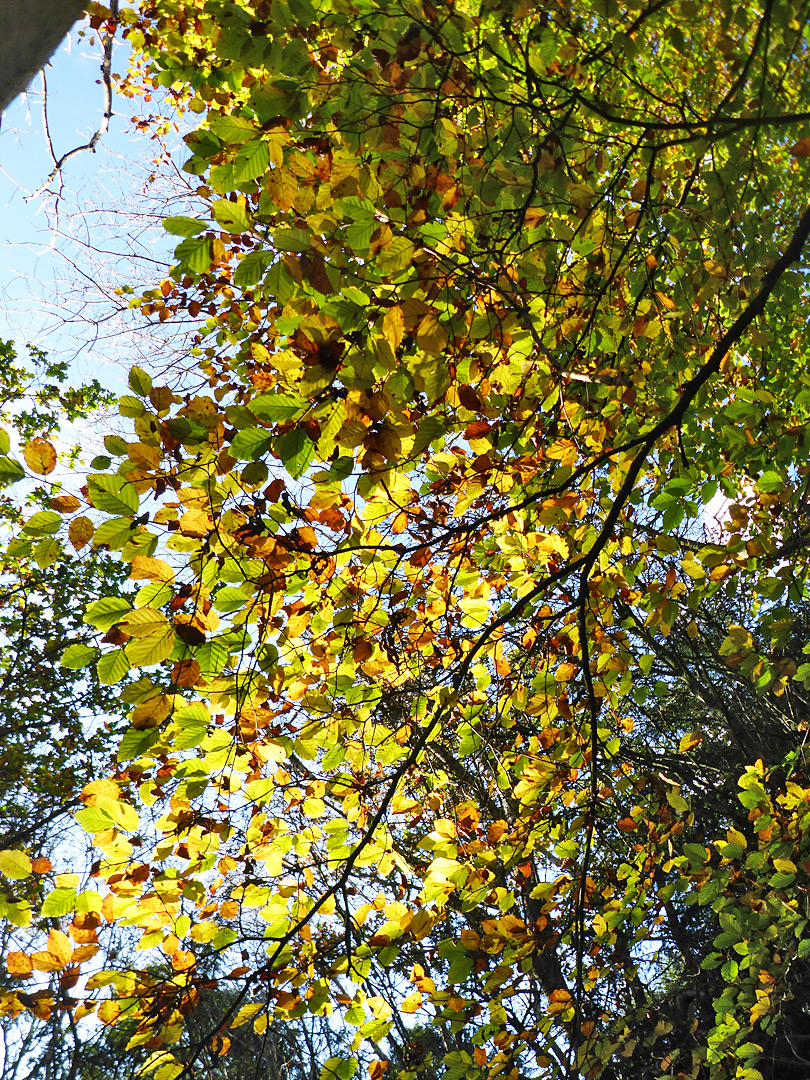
(104, 125)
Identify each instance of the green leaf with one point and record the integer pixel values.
(194, 254)
(183, 226)
(212, 657)
(44, 523)
(58, 903)
(252, 161)
(106, 612)
(296, 450)
(188, 432)
(112, 667)
(140, 381)
(233, 129)
(277, 406)
(10, 470)
(113, 494)
(131, 407)
(151, 648)
(16, 865)
(113, 533)
(232, 216)
(78, 656)
(94, 819)
(250, 270)
(771, 480)
(394, 257)
(250, 444)
(231, 599)
(134, 743)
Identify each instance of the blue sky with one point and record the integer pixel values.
(59, 264)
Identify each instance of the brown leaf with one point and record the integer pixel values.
(64, 504)
(469, 398)
(188, 634)
(186, 673)
(801, 149)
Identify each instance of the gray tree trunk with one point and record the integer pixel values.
(30, 31)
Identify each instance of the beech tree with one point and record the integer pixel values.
(452, 717)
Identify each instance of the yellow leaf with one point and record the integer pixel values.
(16, 865)
(282, 188)
(59, 944)
(431, 335)
(785, 866)
(83, 952)
(247, 1012)
(108, 1011)
(314, 808)
(40, 456)
(689, 741)
(393, 326)
(421, 924)
(100, 787)
(183, 960)
(412, 1002)
(559, 1001)
(151, 569)
(153, 638)
(565, 672)
(151, 713)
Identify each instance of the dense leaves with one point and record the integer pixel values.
(444, 689)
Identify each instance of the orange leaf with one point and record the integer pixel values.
(19, 965)
(559, 1001)
(627, 824)
(565, 672)
(46, 961)
(183, 960)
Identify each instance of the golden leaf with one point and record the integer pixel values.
(689, 741)
(195, 523)
(19, 965)
(80, 532)
(40, 456)
(151, 569)
(412, 1003)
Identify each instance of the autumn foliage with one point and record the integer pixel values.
(451, 705)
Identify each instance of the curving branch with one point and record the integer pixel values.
(104, 124)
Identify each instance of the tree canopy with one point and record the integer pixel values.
(465, 663)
